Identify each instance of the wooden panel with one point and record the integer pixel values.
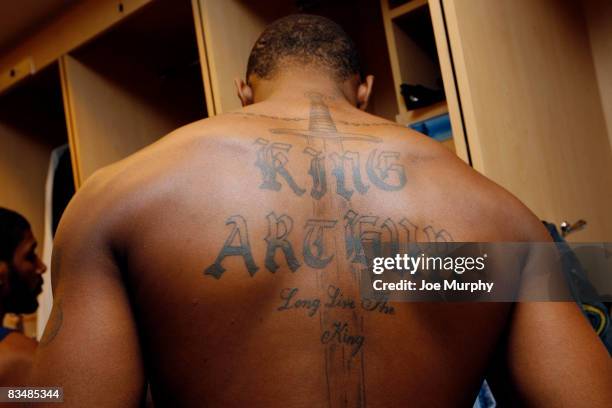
(19, 18)
(31, 125)
(70, 125)
(231, 27)
(74, 27)
(410, 62)
(598, 15)
(458, 143)
(415, 65)
(427, 112)
(393, 53)
(406, 8)
(132, 85)
(18, 72)
(203, 54)
(108, 121)
(531, 106)
(23, 185)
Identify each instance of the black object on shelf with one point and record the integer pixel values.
(418, 96)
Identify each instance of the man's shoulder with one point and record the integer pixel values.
(488, 204)
(152, 164)
(118, 191)
(16, 357)
(444, 178)
(15, 343)
(126, 187)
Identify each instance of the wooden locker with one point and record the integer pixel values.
(132, 85)
(532, 109)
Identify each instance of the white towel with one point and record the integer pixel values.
(45, 299)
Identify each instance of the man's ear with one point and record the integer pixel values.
(364, 91)
(244, 91)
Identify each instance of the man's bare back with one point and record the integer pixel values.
(220, 263)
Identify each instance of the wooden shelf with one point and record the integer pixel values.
(406, 8)
(428, 112)
(417, 115)
(32, 124)
(132, 85)
(72, 28)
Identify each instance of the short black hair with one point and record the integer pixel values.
(307, 39)
(13, 227)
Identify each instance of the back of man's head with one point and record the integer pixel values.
(306, 41)
(13, 227)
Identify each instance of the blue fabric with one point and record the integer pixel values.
(4, 332)
(485, 397)
(438, 127)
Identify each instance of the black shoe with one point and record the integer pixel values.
(418, 96)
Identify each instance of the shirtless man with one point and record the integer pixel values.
(205, 263)
(20, 284)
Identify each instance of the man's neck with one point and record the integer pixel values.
(294, 87)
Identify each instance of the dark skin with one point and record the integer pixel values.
(16, 350)
(198, 263)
